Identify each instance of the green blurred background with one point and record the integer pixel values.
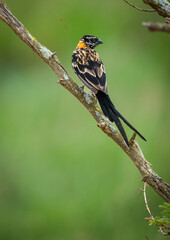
(60, 176)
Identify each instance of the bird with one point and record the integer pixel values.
(89, 68)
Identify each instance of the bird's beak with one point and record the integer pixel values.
(99, 41)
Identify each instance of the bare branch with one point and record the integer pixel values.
(157, 27)
(89, 102)
(140, 9)
(161, 6)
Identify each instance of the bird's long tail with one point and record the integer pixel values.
(110, 111)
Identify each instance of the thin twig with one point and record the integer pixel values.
(150, 213)
(146, 202)
(140, 9)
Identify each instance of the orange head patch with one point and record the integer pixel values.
(81, 44)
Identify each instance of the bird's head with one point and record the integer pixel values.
(89, 41)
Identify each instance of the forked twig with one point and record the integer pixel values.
(151, 215)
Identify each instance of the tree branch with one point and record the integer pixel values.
(163, 9)
(89, 102)
(161, 6)
(157, 27)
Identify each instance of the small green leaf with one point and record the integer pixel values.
(165, 205)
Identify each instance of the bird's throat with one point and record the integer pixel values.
(81, 44)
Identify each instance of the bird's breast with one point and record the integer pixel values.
(85, 55)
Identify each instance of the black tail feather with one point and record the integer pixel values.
(134, 129)
(110, 111)
(122, 131)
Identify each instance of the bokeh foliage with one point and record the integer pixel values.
(60, 177)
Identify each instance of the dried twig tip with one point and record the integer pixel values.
(133, 137)
(53, 54)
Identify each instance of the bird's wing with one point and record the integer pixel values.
(90, 70)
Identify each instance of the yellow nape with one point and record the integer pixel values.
(81, 44)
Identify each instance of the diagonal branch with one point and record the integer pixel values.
(161, 6)
(89, 102)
